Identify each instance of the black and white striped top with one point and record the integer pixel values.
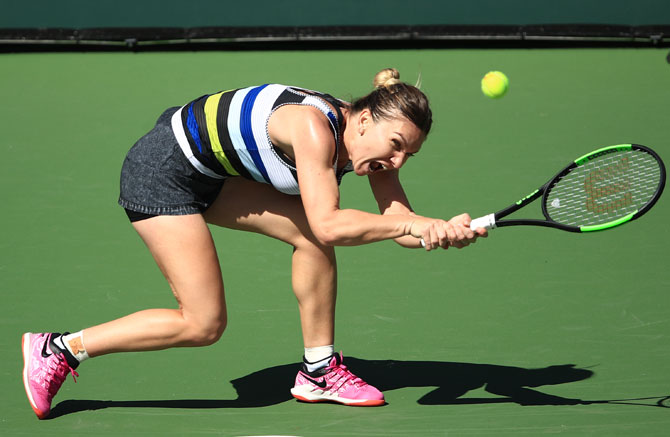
(226, 134)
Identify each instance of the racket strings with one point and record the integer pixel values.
(604, 189)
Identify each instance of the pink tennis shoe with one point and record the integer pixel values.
(335, 383)
(44, 370)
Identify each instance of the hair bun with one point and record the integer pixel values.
(386, 78)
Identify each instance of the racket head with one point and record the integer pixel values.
(605, 188)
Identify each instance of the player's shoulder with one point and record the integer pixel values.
(304, 117)
(301, 127)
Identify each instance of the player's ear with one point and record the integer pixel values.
(364, 120)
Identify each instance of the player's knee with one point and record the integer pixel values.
(206, 333)
(309, 244)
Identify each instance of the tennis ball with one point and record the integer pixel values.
(495, 84)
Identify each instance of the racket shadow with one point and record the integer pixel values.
(448, 381)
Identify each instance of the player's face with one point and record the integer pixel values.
(382, 145)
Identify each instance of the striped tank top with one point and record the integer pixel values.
(226, 134)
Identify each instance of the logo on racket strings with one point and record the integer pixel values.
(608, 188)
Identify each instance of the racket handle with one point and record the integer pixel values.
(487, 222)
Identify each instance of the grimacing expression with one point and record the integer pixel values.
(385, 144)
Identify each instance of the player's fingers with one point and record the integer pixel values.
(460, 233)
(452, 235)
(434, 236)
(428, 238)
(469, 233)
(442, 237)
(468, 237)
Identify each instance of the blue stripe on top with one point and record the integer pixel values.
(233, 126)
(193, 127)
(247, 132)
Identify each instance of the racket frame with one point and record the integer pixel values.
(493, 220)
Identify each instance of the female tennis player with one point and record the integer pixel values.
(265, 159)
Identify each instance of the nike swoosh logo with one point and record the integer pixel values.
(321, 384)
(44, 349)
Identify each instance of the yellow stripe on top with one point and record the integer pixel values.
(211, 106)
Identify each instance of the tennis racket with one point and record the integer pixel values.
(603, 189)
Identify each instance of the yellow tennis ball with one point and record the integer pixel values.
(495, 84)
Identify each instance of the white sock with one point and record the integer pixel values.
(318, 357)
(75, 344)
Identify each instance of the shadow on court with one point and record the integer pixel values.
(449, 383)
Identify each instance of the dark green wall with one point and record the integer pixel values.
(198, 13)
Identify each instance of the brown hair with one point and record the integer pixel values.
(392, 98)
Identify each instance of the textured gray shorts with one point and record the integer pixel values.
(157, 179)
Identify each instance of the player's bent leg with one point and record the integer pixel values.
(255, 207)
(184, 250)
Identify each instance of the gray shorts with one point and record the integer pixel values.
(157, 179)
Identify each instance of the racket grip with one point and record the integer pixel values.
(487, 222)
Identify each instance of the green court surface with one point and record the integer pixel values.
(531, 331)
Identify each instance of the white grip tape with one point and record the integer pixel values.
(487, 222)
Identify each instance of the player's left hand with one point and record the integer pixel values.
(459, 233)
